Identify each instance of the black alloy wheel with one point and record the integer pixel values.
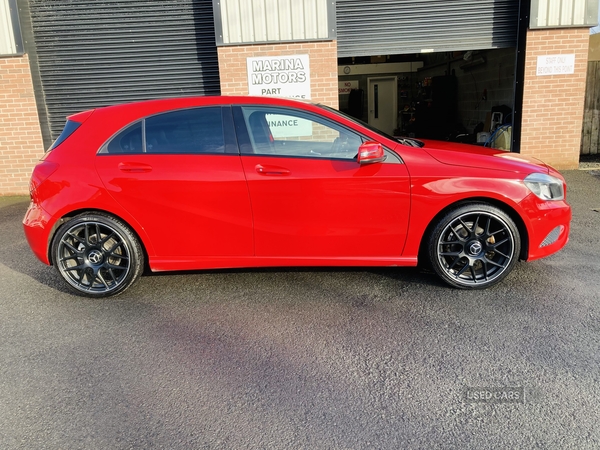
(97, 255)
(474, 246)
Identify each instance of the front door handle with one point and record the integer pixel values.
(134, 167)
(272, 170)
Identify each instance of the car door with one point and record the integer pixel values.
(310, 197)
(179, 174)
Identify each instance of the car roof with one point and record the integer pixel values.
(134, 110)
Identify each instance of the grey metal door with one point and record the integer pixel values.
(94, 53)
(383, 27)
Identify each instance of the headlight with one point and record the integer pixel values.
(545, 186)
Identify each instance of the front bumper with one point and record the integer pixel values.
(549, 224)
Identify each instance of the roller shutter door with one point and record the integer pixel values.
(94, 53)
(388, 27)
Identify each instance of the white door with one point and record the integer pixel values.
(383, 103)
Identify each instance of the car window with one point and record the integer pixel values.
(127, 141)
(286, 132)
(197, 130)
(70, 128)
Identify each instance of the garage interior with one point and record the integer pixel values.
(463, 96)
(431, 70)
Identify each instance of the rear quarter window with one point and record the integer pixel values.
(67, 131)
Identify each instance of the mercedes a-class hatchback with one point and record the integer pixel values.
(223, 182)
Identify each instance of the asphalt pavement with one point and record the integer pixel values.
(305, 359)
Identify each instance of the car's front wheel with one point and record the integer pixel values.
(474, 246)
(97, 255)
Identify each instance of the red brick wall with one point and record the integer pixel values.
(323, 67)
(553, 105)
(21, 143)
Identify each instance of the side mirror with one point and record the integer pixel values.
(370, 152)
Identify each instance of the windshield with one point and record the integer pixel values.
(402, 140)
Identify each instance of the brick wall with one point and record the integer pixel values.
(21, 143)
(323, 67)
(553, 105)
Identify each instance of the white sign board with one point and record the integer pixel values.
(555, 65)
(344, 87)
(288, 126)
(279, 76)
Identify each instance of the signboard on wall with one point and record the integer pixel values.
(279, 76)
(555, 65)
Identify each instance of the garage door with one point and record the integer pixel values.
(95, 53)
(388, 27)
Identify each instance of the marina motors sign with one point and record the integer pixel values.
(279, 76)
(282, 76)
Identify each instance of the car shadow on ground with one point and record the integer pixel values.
(405, 275)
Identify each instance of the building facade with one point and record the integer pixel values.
(507, 71)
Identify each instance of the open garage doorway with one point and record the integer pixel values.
(454, 63)
(464, 96)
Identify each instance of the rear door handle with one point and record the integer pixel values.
(272, 170)
(134, 167)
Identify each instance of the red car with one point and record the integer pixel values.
(222, 182)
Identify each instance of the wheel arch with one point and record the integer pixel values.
(509, 210)
(76, 212)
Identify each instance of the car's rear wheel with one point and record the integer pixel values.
(97, 255)
(474, 246)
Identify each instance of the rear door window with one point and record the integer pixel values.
(127, 141)
(197, 130)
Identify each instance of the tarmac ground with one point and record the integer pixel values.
(305, 358)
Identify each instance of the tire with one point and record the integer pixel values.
(474, 246)
(97, 255)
